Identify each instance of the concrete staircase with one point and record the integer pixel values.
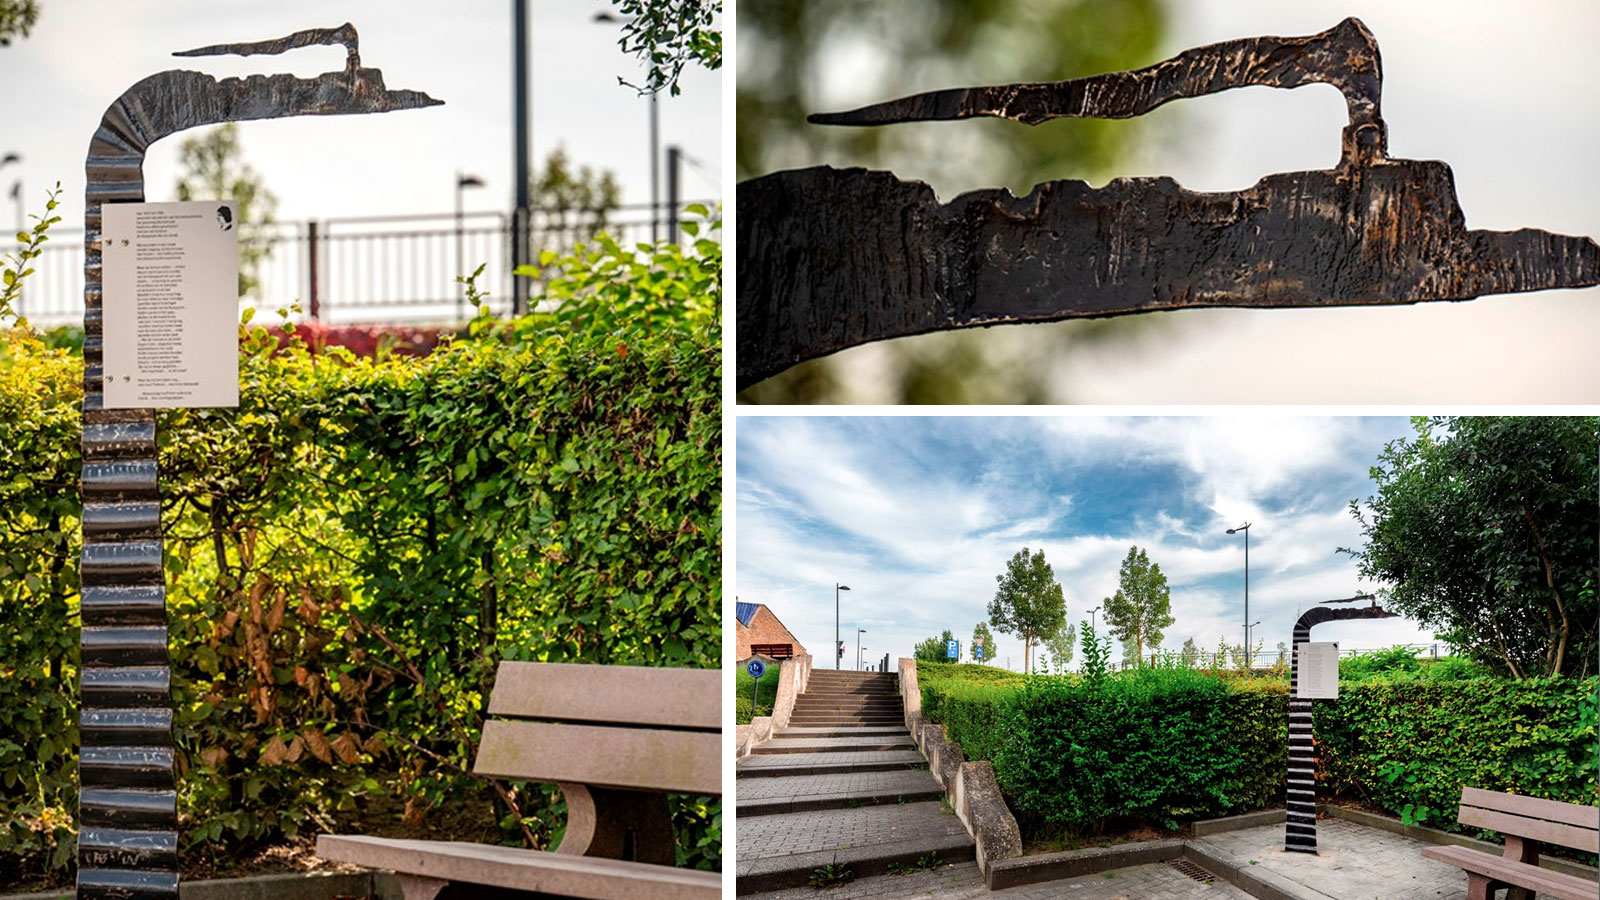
(842, 784)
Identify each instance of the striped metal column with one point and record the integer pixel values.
(127, 809)
(1300, 831)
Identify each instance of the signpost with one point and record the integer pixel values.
(756, 668)
(127, 810)
(977, 649)
(952, 649)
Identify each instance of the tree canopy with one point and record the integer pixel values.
(213, 168)
(17, 17)
(1141, 609)
(669, 34)
(981, 630)
(1028, 603)
(1483, 528)
(933, 649)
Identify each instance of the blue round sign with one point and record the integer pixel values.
(756, 668)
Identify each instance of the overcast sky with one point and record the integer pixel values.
(82, 55)
(919, 514)
(1507, 93)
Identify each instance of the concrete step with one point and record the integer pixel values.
(799, 793)
(828, 762)
(782, 850)
(815, 744)
(794, 732)
(863, 721)
(808, 701)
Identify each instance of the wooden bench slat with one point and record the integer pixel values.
(639, 695)
(1538, 829)
(688, 762)
(1537, 807)
(1543, 881)
(518, 869)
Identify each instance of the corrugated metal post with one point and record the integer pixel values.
(313, 271)
(127, 802)
(1300, 831)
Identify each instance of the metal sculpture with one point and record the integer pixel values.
(829, 258)
(1300, 832)
(127, 839)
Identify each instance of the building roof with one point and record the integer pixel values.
(744, 612)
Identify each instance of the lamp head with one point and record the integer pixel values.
(466, 181)
(842, 587)
(10, 158)
(1244, 527)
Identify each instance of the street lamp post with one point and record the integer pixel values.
(1091, 617)
(859, 633)
(462, 183)
(837, 587)
(655, 144)
(1247, 644)
(1246, 529)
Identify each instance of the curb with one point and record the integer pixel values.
(1253, 880)
(796, 868)
(1021, 870)
(1243, 820)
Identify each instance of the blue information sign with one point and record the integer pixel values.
(756, 668)
(977, 651)
(952, 649)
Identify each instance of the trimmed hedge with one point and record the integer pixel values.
(1165, 746)
(353, 549)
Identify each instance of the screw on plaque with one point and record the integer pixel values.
(830, 259)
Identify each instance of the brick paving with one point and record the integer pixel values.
(1353, 862)
(844, 829)
(962, 881)
(890, 784)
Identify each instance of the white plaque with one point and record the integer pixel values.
(1318, 670)
(170, 289)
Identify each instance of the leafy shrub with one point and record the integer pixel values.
(1163, 745)
(353, 549)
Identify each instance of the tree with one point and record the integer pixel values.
(1190, 652)
(576, 202)
(981, 630)
(667, 35)
(1484, 529)
(1028, 602)
(17, 18)
(1059, 644)
(1142, 607)
(213, 168)
(933, 649)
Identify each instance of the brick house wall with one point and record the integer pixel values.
(764, 628)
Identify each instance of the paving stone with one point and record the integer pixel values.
(962, 881)
(793, 793)
(1353, 862)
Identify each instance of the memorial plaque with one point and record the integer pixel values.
(171, 305)
(1319, 670)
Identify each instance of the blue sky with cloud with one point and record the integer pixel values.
(919, 514)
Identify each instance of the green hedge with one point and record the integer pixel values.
(1168, 745)
(352, 550)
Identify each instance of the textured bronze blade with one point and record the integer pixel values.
(830, 259)
(128, 819)
(1345, 56)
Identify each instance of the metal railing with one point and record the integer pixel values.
(1266, 659)
(368, 268)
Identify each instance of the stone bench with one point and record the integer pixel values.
(1527, 823)
(616, 739)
